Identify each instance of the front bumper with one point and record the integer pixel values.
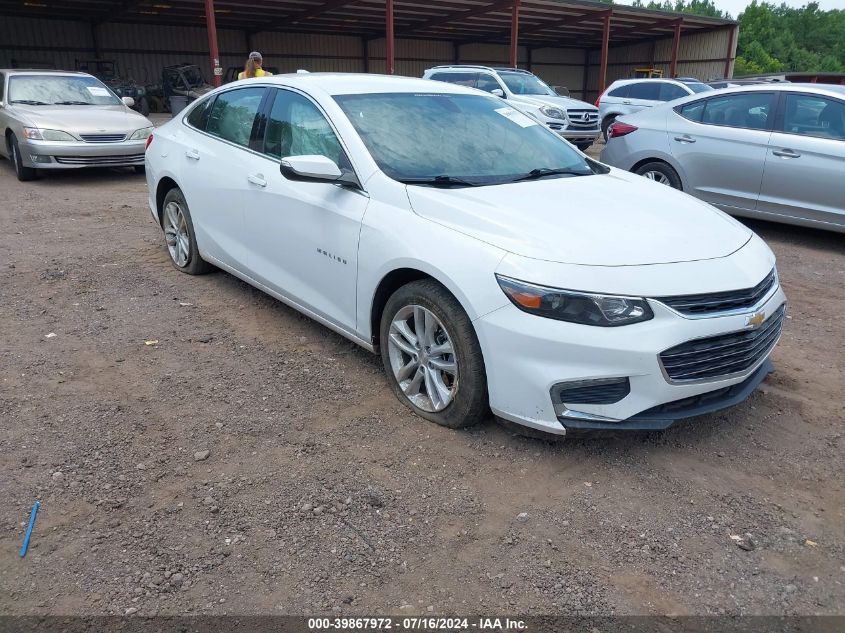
(575, 134)
(526, 356)
(73, 155)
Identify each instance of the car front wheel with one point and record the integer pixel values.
(432, 356)
(23, 173)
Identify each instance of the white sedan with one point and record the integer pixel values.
(493, 266)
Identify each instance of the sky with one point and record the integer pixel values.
(735, 7)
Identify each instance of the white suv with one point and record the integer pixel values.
(626, 96)
(576, 121)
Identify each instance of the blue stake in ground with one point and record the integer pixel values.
(31, 525)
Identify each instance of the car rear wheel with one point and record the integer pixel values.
(660, 172)
(179, 235)
(23, 173)
(605, 125)
(432, 356)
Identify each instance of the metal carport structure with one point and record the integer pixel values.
(521, 27)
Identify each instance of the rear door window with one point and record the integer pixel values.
(670, 92)
(233, 115)
(692, 111)
(646, 90)
(812, 115)
(198, 116)
(749, 110)
(620, 92)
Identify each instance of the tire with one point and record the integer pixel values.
(608, 120)
(139, 169)
(465, 387)
(144, 106)
(24, 174)
(179, 228)
(662, 173)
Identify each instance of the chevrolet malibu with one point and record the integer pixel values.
(490, 264)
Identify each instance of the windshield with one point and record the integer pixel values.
(457, 137)
(59, 89)
(525, 84)
(697, 87)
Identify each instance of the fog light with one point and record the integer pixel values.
(599, 391)
(38, 158)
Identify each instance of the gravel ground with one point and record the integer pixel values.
(251, 461)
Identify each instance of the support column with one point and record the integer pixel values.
(365, 53)
(676, 46)
(528, 60)
(456, 53)
(213, 51)
(585, 80)
(95, 40)
(729, 57)
(389, 43)
(514, 53)
(605, 45)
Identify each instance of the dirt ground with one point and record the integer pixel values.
(253, 462)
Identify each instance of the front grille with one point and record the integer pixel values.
(597, 391)
(722, 355)
(102, 138)
(94, 161)
(582, 119)
(695, 305)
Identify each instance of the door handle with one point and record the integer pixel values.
(626, 103)
(686, 138)
(257, 179)
(786, 153)
(193, 154)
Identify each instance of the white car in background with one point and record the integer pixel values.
(492, 266)
(626, 96)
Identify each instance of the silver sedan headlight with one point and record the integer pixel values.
(34, 134)
(553, 112)
(576, 307)
(142, 134)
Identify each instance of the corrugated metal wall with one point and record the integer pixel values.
(142, 50)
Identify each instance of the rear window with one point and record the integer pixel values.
(621, 91)
(692, 111)
(198, 116)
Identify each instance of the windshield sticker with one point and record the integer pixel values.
(522, 120)
(98, 91)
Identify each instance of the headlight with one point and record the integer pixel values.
(140, 135)
(576, 307)
(553, 113)
(47, 135)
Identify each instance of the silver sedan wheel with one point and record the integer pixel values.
(176, 234)
(423, 358)
(657, 176)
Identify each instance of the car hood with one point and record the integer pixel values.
(618, 219)
(115, 119)
(560, 102)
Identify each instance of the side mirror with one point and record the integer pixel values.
(314, 168)
(128, 101)
(498, 92)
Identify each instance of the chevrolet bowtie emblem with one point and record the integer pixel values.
(755, 320)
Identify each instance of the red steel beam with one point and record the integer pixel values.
(213, 51)
(390, 44)
(729, 56)
(676, 47)
(605, 44)
(514, 34)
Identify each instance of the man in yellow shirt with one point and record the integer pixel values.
(252, 68)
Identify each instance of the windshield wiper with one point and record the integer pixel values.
(440, 181)
(72, 103)
(28, 102)
(534, 174)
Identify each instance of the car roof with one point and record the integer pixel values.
(829, 89)
(359, 83)
(40, 71)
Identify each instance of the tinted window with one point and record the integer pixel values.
(462, 79)
(698, 87)
(621, 91)
(810, 115)
(692, 111)
(487, 83)
(297, 127)
(233, 114)
(746, 110)
(198, 116)
(649, 90)
(413, 136)
(670, 92)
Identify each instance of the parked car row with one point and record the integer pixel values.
(492, 266)
(774, 151)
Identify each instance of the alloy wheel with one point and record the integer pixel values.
(657, 176)
(176, 234)
(423, 358)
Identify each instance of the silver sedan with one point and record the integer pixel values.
(67, 120)
(775, 152)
